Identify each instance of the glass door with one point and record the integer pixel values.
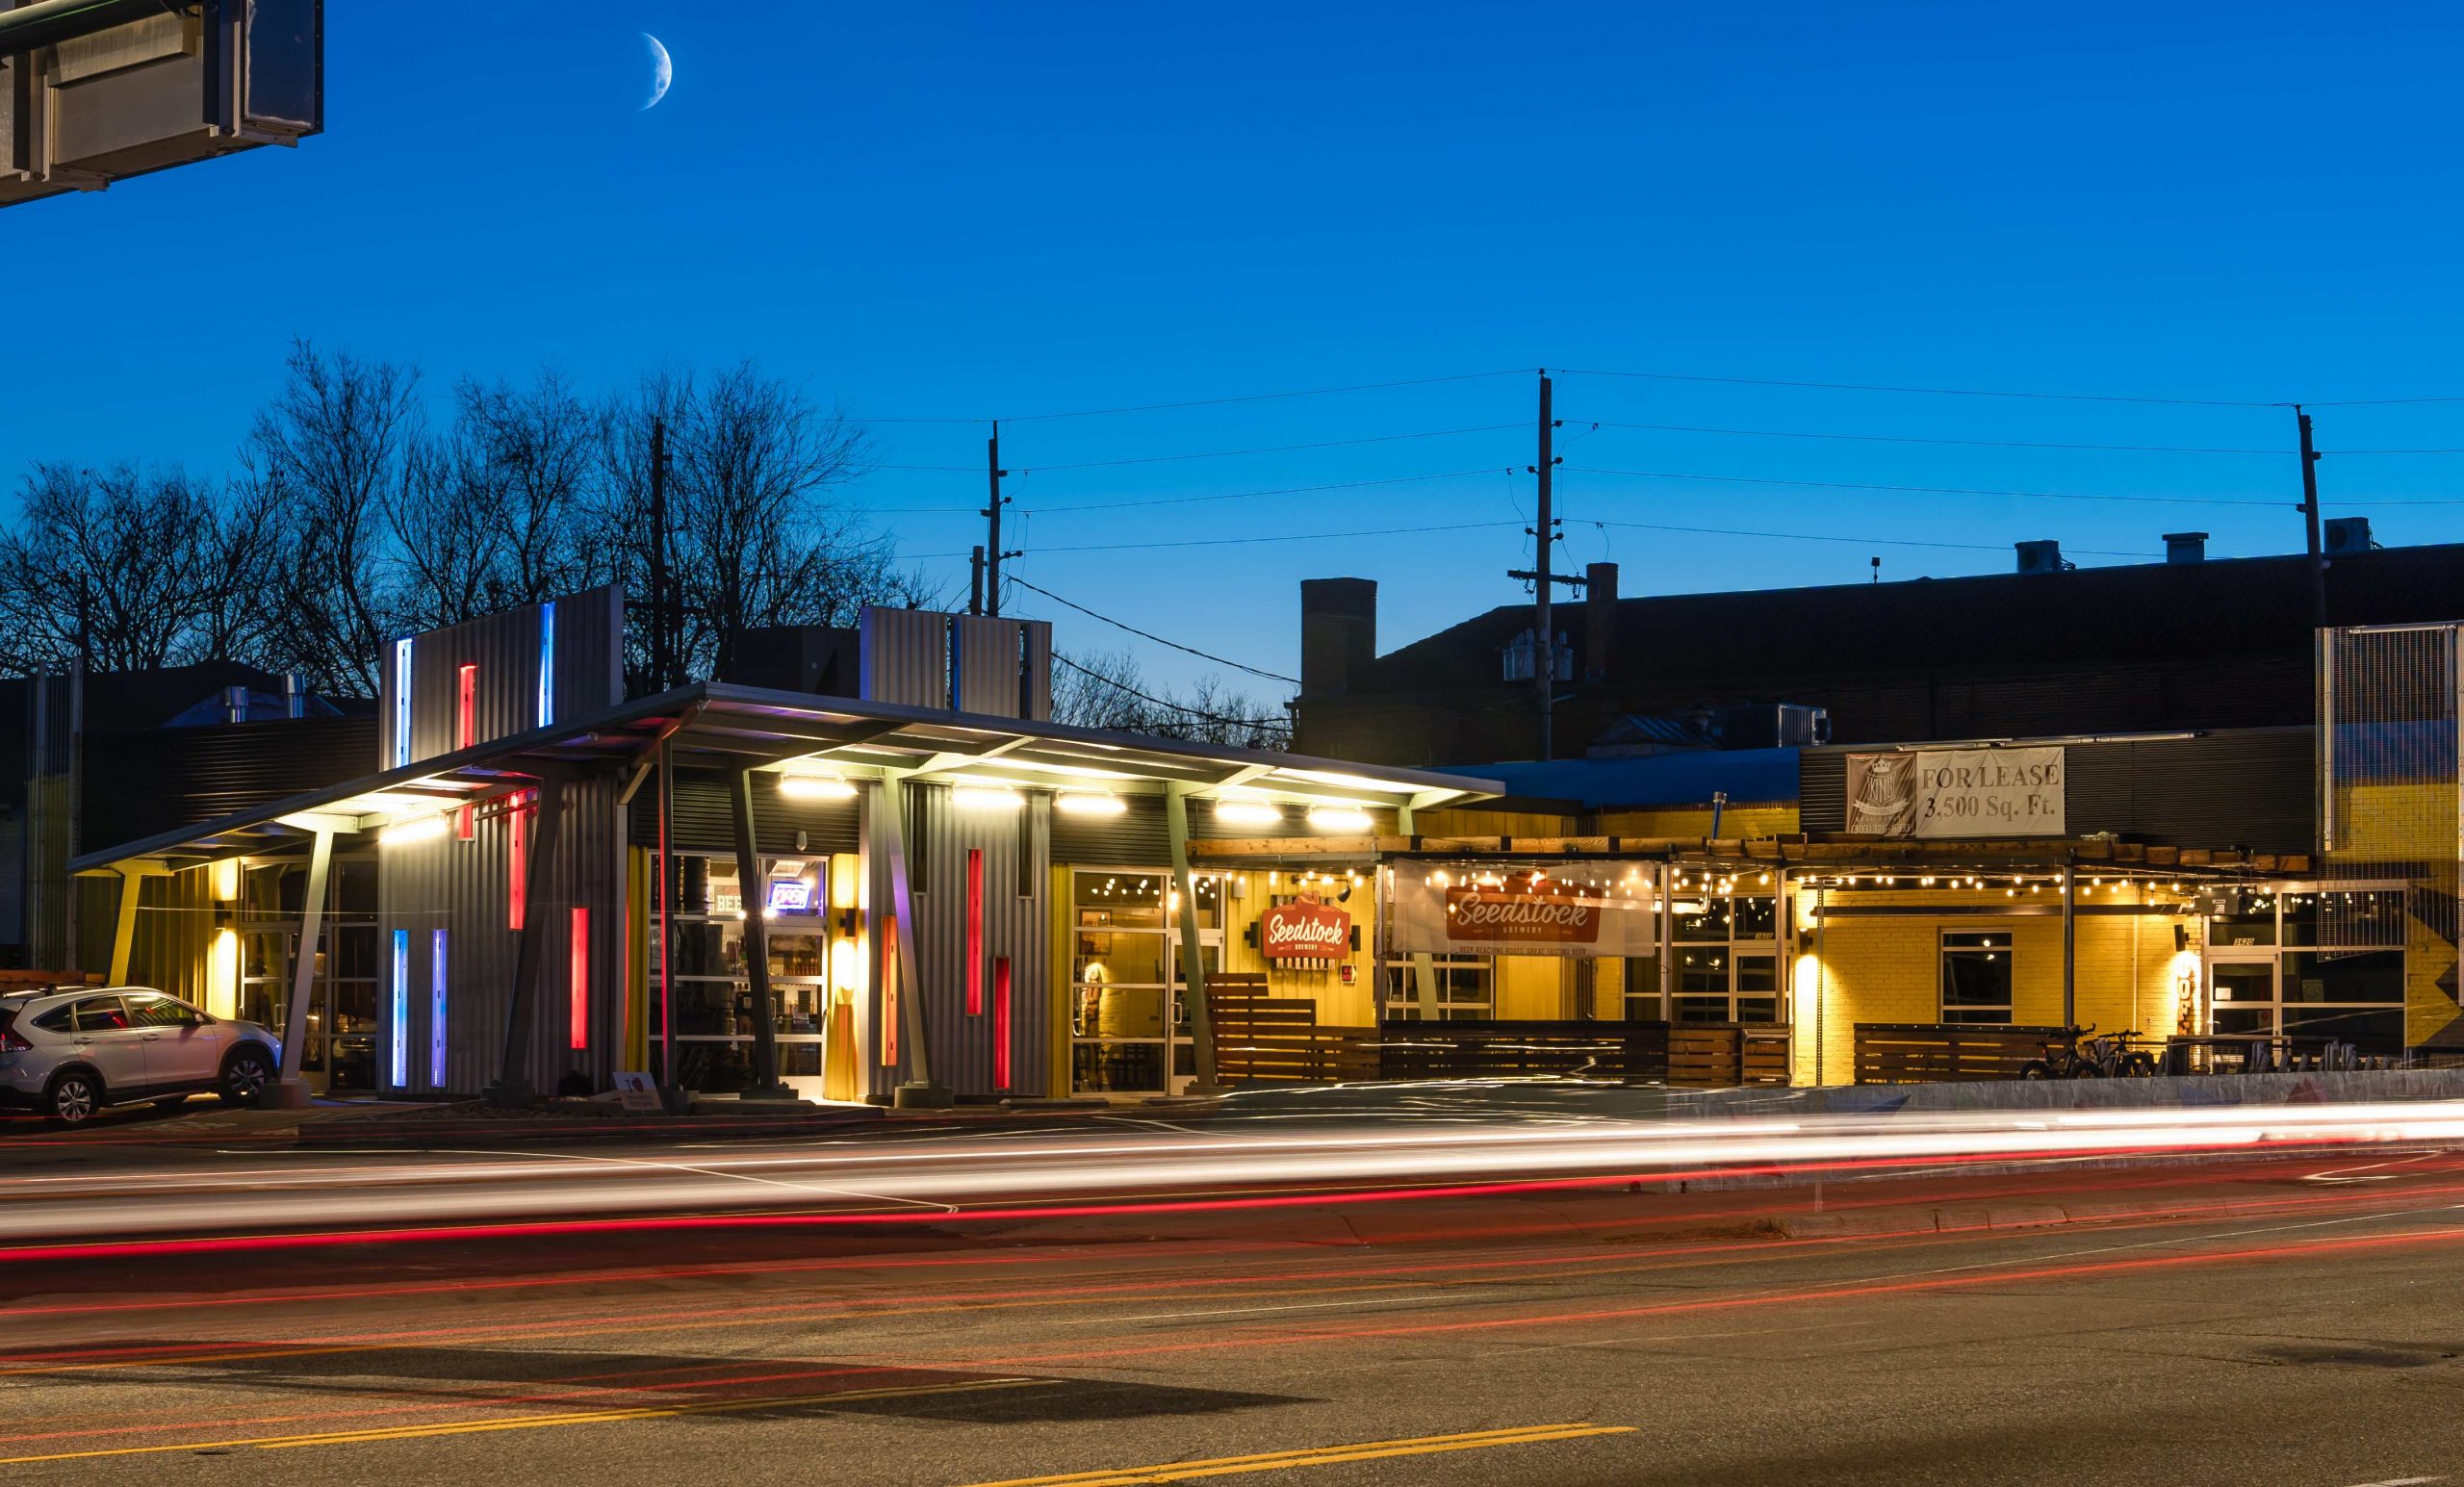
(2242, 994)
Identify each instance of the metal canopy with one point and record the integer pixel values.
(716, 726)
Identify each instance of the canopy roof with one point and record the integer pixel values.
(717, 726)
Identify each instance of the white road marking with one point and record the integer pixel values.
(2401, 1481)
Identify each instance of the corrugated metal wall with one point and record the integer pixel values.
(1015, 848)
(1137, 837)
(706, 819)
(175, 924)
(905, 656)
(465, 888)
(590, 628)
(194, 774)
(2251, 789)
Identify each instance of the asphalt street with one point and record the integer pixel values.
(2296, 1320)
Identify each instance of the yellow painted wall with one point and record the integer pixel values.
(2128, 974)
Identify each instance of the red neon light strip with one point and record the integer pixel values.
(580, 970)
(518, 853)
(1001, 1024)
(974, 931)
(466, 732)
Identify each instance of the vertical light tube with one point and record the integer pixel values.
(401, 702)
(1001, 1024)
(518, 855)
(546, 663)
(436, 1011)
(890, 991)
(466, 732)
(578, 963)
(398, 1030)
(974, 931)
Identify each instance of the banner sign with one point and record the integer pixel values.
(1956, 793)
(1521, 914)
(1306, 929)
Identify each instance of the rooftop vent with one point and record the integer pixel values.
(2186, 547)
(2043, 556)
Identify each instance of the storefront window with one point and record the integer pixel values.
(710, 986)
(1465, 989)
(2310, 962)
(1976, 976)
(1726, 968)
(1129, 1026)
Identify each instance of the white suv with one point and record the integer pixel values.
(70, 1052)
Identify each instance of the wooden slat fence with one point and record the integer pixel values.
(1924, 1053)
(1262, 1039)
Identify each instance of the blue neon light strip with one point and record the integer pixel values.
(401, 702)
(436, 1013)
(546, 663)
(397, 1035)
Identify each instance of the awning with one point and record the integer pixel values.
(717, 726)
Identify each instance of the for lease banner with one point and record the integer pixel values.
(1956, 793)
(1521, 914)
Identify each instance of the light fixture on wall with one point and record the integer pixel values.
(1248, 813)
(815, 787)
(1077, 802)
(986, 797)
(415, 829)
(1339, 818)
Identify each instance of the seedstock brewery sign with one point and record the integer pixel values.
(1306, 929)
(1519, 913)
(1957, 792)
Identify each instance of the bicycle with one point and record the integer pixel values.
(2081, 1056)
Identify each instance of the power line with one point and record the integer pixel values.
(1226, 541)
(1203, 656)
(1930, 490)
(1209, 402)
(1983, 443)
(1937, 392)
(1888, 542)
(1286, 490)
(1272, 448)
(1180, 708)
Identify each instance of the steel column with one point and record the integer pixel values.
(917, 1091)
(2069, 944)
(289, 1091)
(752, 891)
(529, 959)
(1176, 817)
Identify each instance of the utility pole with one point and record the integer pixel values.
(2310, 518)
(661, 669)
(1544, 659)
(975, 581)
(992, 554)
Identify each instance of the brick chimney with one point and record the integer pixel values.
(1338, 632)
(1599, 620)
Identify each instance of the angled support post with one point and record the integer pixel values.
(766, 1083)
(1176, 815)
(917, 1090)
(290, 1091)
(530, 953)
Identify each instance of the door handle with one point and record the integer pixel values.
(153, 1037)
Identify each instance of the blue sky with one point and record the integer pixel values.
(975, 210)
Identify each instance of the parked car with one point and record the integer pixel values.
(71, 1052)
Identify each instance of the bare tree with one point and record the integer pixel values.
(105, 563)
(756, 535)
(326, 453)
(495, 510)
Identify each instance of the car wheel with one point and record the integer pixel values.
(244, 1077)
(2035, 1068)
(74, 1097)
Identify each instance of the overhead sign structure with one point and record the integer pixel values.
(92, 93)
(1521, 914)
(1958, 793)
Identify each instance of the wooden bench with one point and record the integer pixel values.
(1925, 1053)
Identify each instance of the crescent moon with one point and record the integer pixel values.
(662, 71)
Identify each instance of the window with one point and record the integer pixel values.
(60, 1019)
(160, 1012)
(2310, 962)
(101, 1014)
(1465, 988)
(1727, 966)
(1976, 976)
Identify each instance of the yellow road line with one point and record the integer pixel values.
(538, 1422)
(1315, 1456)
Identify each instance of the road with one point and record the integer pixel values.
(2288, 1321)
